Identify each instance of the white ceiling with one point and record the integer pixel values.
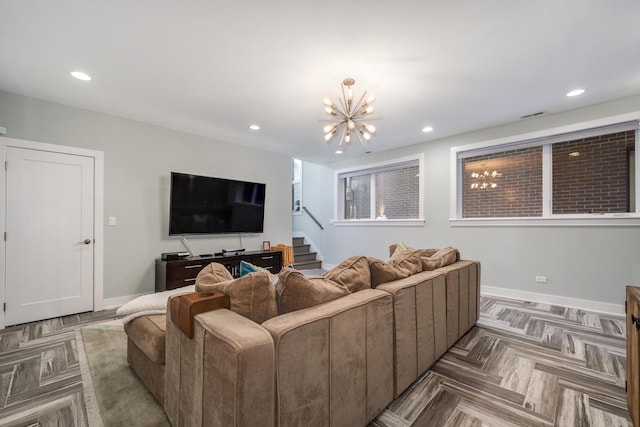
(212, 67)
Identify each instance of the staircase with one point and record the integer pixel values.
(303, 258)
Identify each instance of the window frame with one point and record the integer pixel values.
(545, 138)
(369, 168)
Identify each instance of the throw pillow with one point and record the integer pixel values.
(252, 296)
(213, 273)
(297, 291)
(440, 258)
(353, 272)
(398, 248)
(383, 272)
(407, 262)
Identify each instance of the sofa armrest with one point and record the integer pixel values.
(224, 375)
(335, 360)
(234, 371)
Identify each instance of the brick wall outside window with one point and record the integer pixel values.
(595, 179)
(357, 197)
(518, 185)
(397, 193)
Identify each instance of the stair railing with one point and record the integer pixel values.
(304, 208)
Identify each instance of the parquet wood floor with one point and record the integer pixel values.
(40, 382)
(524, 364)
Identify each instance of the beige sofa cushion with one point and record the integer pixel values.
(353, 272)
(297, 291)
(383, 272)
(441, 258)
(148, 333)
(252, 296)
(407, 262)
(212, 273)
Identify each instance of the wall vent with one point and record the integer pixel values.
(528, 116)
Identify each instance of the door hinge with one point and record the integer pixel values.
(4, 307)
(625, 307)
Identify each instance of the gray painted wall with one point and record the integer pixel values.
(591, 263)
(138, 162)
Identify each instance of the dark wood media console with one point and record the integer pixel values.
(182, 272)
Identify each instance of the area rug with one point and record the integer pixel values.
(114, 395)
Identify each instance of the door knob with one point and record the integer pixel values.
(86, 241)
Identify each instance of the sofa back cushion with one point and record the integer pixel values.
(297, 291)
(407, 262)
(252, 296)
(383, 272)
(353, 273)
(441, 258)
(212, 273)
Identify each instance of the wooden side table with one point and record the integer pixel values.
(632, 309)
(185, 307)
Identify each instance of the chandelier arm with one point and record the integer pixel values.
(359, 138)
(358, 106)
(345, 113)
(344, 133)
(344, 101)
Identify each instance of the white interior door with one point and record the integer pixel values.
(50, 235)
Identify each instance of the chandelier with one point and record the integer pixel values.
(348, 118)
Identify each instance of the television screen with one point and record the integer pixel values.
(207, 205)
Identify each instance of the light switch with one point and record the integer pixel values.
(112, 220)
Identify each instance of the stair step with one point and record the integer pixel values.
(307, 265)
(304, 256)
(298, 241)
(301, 249)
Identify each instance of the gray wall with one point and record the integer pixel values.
(592, 263)
(138, 162)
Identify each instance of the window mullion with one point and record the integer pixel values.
(547, 181)
(372, 197)
(636, 170)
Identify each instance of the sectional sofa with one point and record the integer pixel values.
(322, 350)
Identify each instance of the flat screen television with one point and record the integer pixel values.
(208, 205)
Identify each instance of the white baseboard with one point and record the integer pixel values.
(116, 302)
(583, 304)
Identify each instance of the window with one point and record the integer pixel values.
(564, 175)
(383, 192)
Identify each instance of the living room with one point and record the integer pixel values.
(586, 265)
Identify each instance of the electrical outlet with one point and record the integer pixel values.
(541, 279)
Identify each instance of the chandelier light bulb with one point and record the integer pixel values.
(327, 102)
(328, 137)
(371, 99)
(369, 128)
(366, 135)
(351, 124)
(347, 138)
(328, 128)
(369, 109)
(329, 110)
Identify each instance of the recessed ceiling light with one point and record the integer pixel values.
(338, 151)
(576, 92)
(81, 76)
(427, 129)
(254, 127)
